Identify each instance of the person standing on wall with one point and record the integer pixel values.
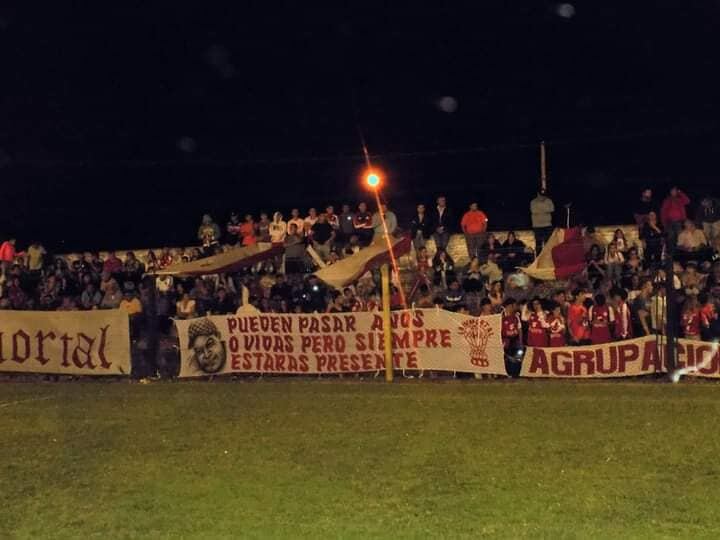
(541, 211)
(474, 227)
(442, 220)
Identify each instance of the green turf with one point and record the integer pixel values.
(341, 459)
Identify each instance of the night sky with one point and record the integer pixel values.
(121, 126)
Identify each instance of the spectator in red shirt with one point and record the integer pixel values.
(690, 319)
(112, 265)
(474, 226)
(8, 252)
(673, 212)
(247, 231)
(708, 317)
(578, 320)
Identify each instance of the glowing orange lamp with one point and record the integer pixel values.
(373, 180)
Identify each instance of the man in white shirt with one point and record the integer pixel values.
(297, 221)
(277, 229)
(692, 244)
(309, 221)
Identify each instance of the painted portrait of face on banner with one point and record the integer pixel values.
(206, 346)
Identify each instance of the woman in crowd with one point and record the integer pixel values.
(496, 296)
(557, 327)
(491, 246)
(652, 234)
(185, 307)
(263, 228)
(595, 265)
(420, 227)
(620, 242)
(633, 267)
(512, 253)
(443, 269)
(601, 318)
(473, 277)
(614, 261)
(534, 315)
(690, 319)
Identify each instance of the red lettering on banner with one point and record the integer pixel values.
(26, 345)
(539, 362)
(651, 357)
(303, 323)
(431, 338)
(379, 361)
(600, 361)
(66, 340)
(232, 324)
(367, 361)
(89, 342)
(377, 323)
(350, 323)
(304, 363)
(418, 319)
(247, 361)
(418, 338)
(41, 337)
(234, 344)
(681, 363)
(445, 339)
(412, 359)
(292, 363)
(396, 360)
(628, 352)
(567, 365)
(332, 363)
(101, 348)
(235, 362)
(712, 365)
(280, 362)
(402, 341)
(581, 358)
(360, 342)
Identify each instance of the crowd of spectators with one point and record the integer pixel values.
(620, 294)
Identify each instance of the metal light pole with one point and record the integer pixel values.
(373, 181)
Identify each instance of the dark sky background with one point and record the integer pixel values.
(121, 126)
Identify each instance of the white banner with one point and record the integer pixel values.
(339, 343)
(65, 342)
(629, 358)
(698, 358)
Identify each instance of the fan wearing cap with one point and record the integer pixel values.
(208, 348)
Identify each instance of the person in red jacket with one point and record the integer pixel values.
(557, 327)
(8, 253)
(577, 320)
(601, 318)
(708, 316)
(511, 325)
(690, 319)
(537, 335)
(673, 212)
(512, 337)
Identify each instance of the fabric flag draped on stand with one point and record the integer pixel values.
(350, 269)
(232, 260)
(562, 256)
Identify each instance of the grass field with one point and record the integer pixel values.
(359, 459)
